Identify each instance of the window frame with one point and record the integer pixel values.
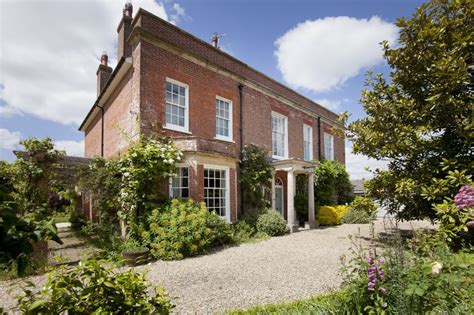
(171, 126)
(310, 141)
(227, 189)
(179, 165)
(285, 139)
(229, 138)
(331, 137)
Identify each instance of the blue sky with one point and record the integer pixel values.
(320, 48)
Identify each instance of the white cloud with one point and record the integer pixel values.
(9, 140)
(356, 165)
(72, 148)
(322, 54)
(8, 111)
(51, 50)
(178, 13)
(333, 105)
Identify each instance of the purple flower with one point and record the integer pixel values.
(470, 224)
(383, 290)
(465, 197)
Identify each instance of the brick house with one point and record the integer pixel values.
(167, 82)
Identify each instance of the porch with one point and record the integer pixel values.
(284, 189)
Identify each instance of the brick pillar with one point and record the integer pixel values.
(196, 182)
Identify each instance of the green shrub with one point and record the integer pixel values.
(423, 278)
(332, 184)
(91, 288)
(364, 204)
(361, 210)
(17, 236)
(271, 223)
(184, 228)
(356, 216)
(256, 176)
(328, 215)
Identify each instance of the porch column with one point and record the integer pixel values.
(312, 222)
(290, 202)
(273, 190)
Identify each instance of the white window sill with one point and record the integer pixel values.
(276, 157)
(224, 139)
(177, 128)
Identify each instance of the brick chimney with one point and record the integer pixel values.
(103, 73)
(124, 29)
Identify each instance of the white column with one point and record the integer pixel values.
(273, 190)
(311, 219)
(290, 202)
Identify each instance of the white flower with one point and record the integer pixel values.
(436, 268)
(126, 174)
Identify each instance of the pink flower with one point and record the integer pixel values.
(465, 197)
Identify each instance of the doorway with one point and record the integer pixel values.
(279, 196)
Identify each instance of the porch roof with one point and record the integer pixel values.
(295, 165)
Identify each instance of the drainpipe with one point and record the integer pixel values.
(241, 138)
(319, 137)
(101, 131)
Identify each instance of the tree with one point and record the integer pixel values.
(256, 177)
(332, 184)
(421, 119)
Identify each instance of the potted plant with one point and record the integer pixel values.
(134, 254)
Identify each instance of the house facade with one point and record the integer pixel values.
(169, 83)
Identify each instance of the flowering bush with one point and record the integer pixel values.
(328, 215)
(141, 169)
(465, 198)
(424, 278)
(182, 229)
(456, 217)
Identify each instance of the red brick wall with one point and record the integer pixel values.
(179, 38)
(339, 146)
(117, 120)
(156, 65)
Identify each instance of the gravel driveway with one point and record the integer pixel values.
(277, 270)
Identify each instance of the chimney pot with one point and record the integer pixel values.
(128, 9)
(103, 73)
(104, 59)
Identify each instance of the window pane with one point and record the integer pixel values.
(215, 190)
(179, 183)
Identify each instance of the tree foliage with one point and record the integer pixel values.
(332, 184)
(421, 119)
(256, 176)
(142, 170)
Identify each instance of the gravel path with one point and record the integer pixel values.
(280, 269)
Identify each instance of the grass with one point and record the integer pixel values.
(61, 218)
(320, 304)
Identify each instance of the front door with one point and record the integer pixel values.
(279, 199)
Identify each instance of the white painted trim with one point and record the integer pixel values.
(170, 178)
(310, 141)
(184, 129)
(285, 119)
(282, 197)
(231, 125)
(331, 158)
(227, 190)
(175, 128)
